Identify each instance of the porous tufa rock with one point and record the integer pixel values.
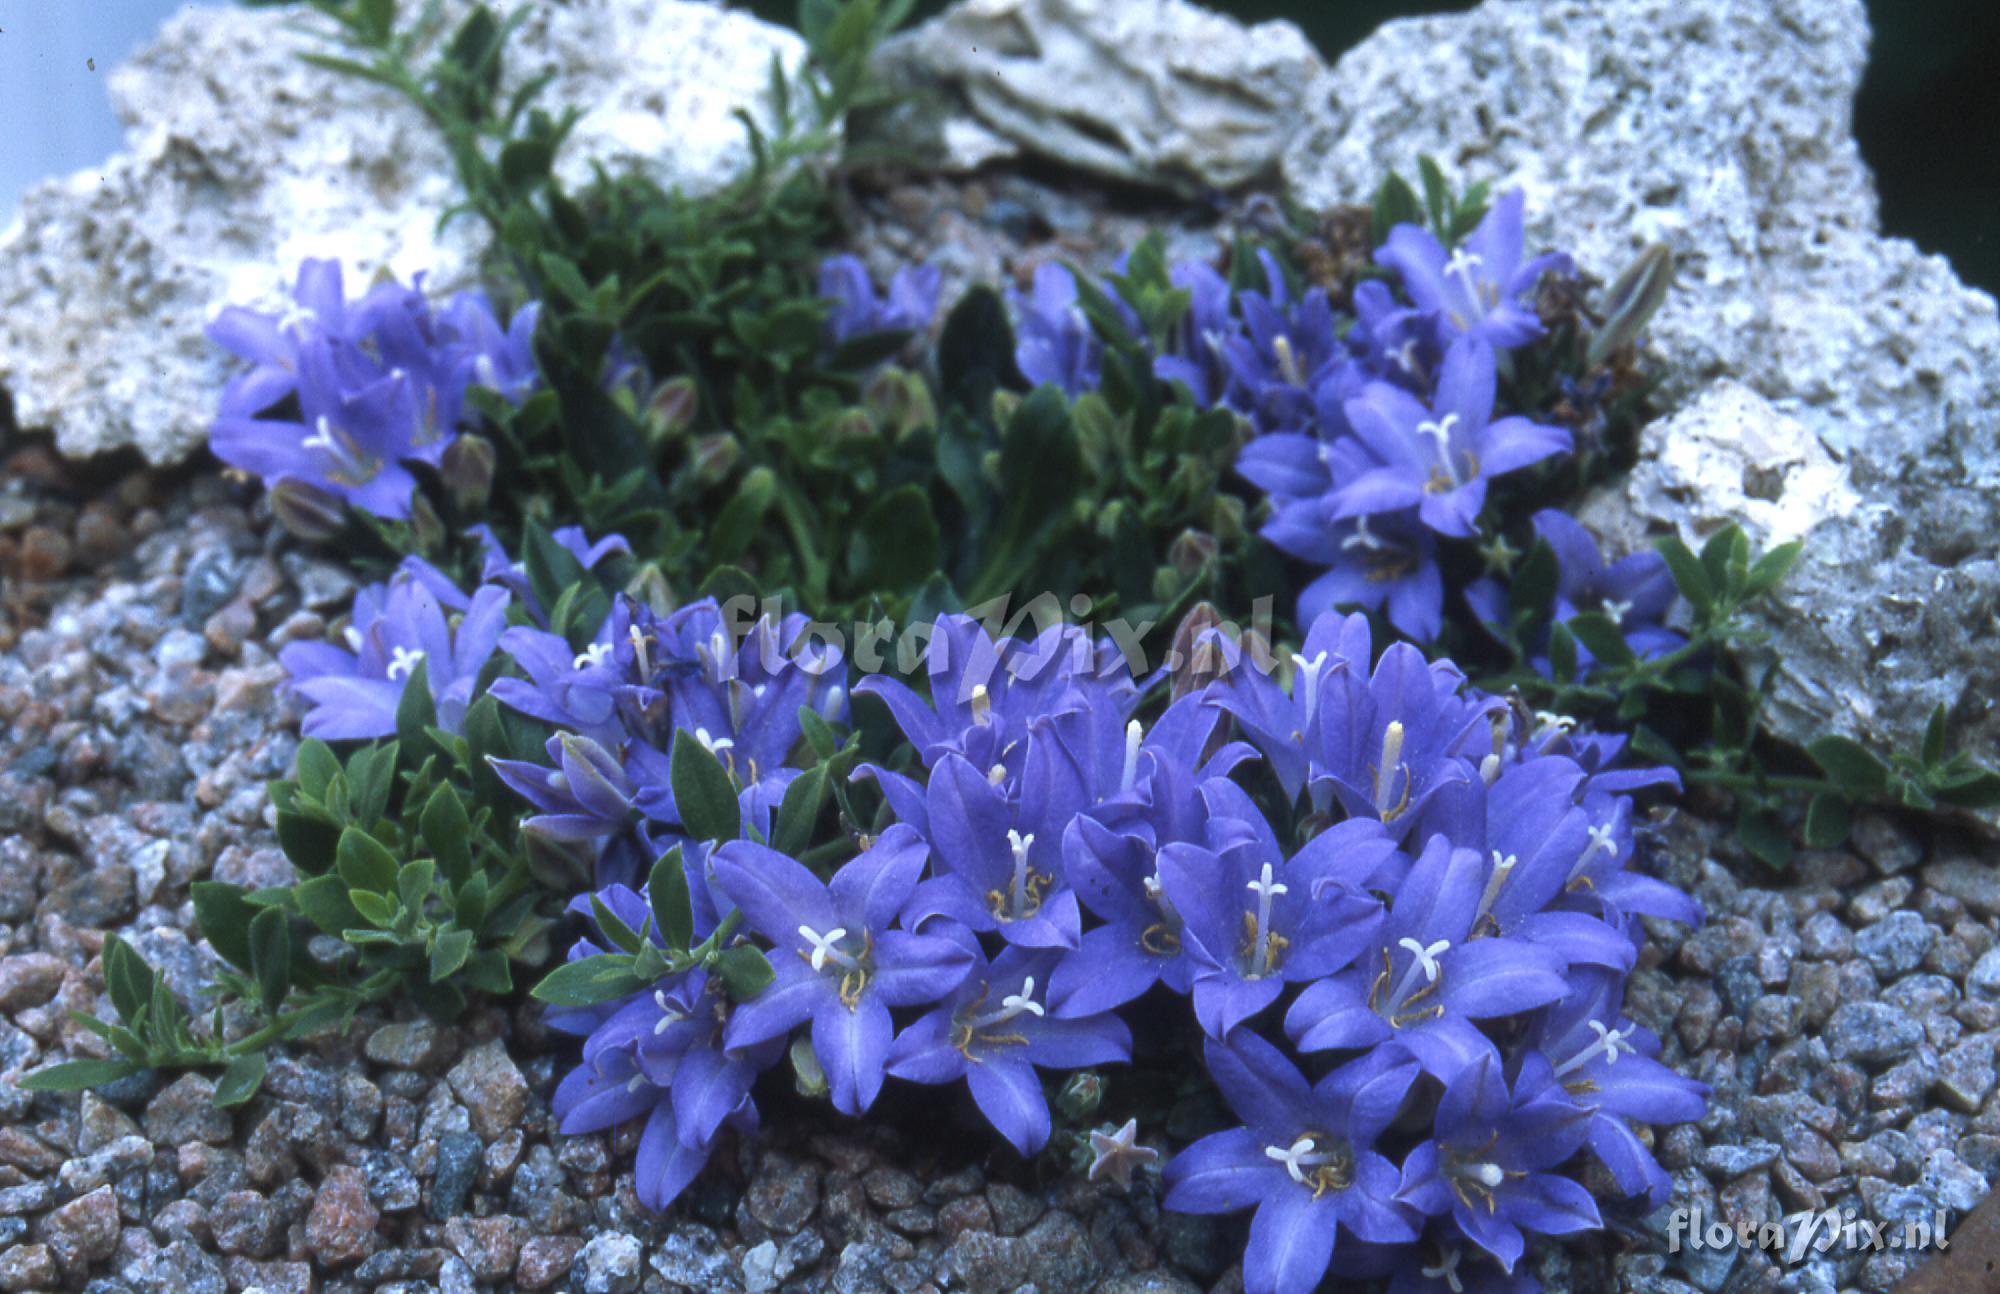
(1153, 92)
(1823, 382)
(241, 159)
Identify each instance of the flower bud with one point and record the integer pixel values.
(1109, 518)
(1631, 300)
(1005, 405)
(1097, 430)
(426, 527)
(1195, 658)
(853, 427)
(1226, 518)
(900, 403)
(807, 1076)
(564, 866)
(715, 457)
(672, 408)
(1081, 1094)
(1192, 552)
(468, 468)
(595, 777)
(313, 514)
(650, 589)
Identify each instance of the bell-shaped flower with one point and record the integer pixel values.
(1283, 353)
(1305, 1159)
(858, 311)
(1438, 457)
(1254, 921)
(356, 689)
(1425, 978)
(581, 794)
(840, 963)
(1481, 288)
(995, 1030)
(1607, 1065)
(1487, 1163)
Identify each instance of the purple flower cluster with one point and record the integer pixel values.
(858, 311)
(1635, 592)
(1445, 934)
(342, 395)
(1374, 433)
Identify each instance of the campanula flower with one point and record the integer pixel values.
(1437, 456)
(1607, 1065)
(1478, 289)
(1305, 1159)
(582, 793)
(1057, 345)
(1424, 979)
(857, 310)
(994, 1031)
(840, 962)
(1283, 353)
(1487, 1163)
(355, 688)
(1635, 593)
(1196, 351)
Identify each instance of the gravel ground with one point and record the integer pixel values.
(1846, 1014)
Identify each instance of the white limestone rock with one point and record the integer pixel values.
(240, 160)
(1160, 93)
(1826, 382)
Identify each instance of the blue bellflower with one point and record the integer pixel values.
(995, 1030)
(1478, 289)
(858, 311)
(840, 962)
(1304, 1159)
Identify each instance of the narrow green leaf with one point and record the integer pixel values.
(241, 1080)
(1690, 576)
(1764, 836)
(317, 767)
(673, 907)
(271, 957)
(1562, 653)
(1772, 567)
(703, 792)
(1601, 638)
(588, 981)
(798, 812)
(127, 978)
(224, 916)
(1826, 821)
(415, 882)
(449, 951)
(624, 937)
(365, 862)
(447, 833)
(75, 1075)
(323, 901)
(1933, 752)
(415, 713)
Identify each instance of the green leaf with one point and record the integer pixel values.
(365, 863)
(309, 842)
(447, 833)
(1764, 836)
(1771, 568)
(1933, 753)
(415, 712)
(819, 734)
(127, 978)
(1826, 821)
(486, 971)
(614, 928)
(1395, 204)
(449, 951)
(371, 777)
(895, 545)
(1562, 653)
(525, 162)
(673, 907)
(241, 1080)
(1437, 195)
(317, 767)
(224, 915)
(376, 908)
(798, 812)
(703, 792)
(74, 1075)
(745, 971)
(1979, 790)
(271, 957)
(588, 981)
(1690, 576)
(1850, 764)
(415, 882)
(1601, 638)
(323, 901)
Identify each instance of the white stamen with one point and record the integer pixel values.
(668, 1015)
(1363, 537)
(1462, 264)
(636, 1082)
(1488, 1175)
(1288, 360)
(403, 661)
(1426, 957)
(1447, 1270)
(1134, 737)
(1489, 769)
(1020, 844)
(639, 652)
(1293, 1157)
(591, 655)
(982, 705)
(1611, 1043)
(1501, 869)
(1265, 889)
(1440, 431)
(713, 745)
(1015, 1003)
(1617, 611)
(824, 946)
(1392, 759)
(996, 775)
(1308, 675)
